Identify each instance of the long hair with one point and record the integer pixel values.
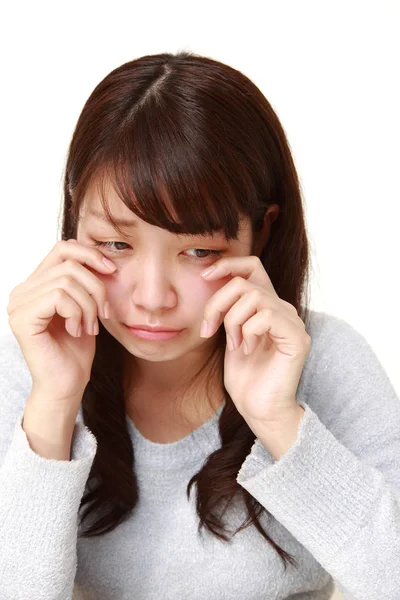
(190, 144)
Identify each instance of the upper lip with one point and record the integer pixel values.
(148, 328)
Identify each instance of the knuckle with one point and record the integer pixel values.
(66, 280)
(58, 294)
(256, 293)
(14, 292)
(62, 246)
(229, 321)
(69, 263)
(9, 305)
(290, 307)
(246, 329)
(78, 311)
(64, 243)
(269, 312)
(255, 260)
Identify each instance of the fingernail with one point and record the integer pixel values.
(108, 263)
(106, 310)
(208, 271)
(204, 329)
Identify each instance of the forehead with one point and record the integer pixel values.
(92, 212)
(92, 209)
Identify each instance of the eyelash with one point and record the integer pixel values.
(107, 245)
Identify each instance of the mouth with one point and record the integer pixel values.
(152, 329)
(153, 334)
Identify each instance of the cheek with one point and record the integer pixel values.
(114, 288)
(113, 285)
(200, 291)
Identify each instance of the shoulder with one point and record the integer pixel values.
(335, 343)
(342, 371)
(326, 325)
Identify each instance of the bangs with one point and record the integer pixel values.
(165, 180)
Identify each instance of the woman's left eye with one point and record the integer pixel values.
(211, 252)
(109, 246)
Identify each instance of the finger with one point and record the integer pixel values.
(222, 301)
(247, 267)
(75, 290)
(224, 298)
(36, 315)
(65, 273)
(283, 331)
(249, 304)
(65, 250)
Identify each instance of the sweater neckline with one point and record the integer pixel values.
(202, 437)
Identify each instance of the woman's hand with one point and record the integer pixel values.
(63, 294)
(270, 343)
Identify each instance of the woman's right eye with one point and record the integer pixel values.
(108, 245)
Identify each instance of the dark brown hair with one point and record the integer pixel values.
(190, 144)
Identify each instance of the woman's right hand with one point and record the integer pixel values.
(45, 312)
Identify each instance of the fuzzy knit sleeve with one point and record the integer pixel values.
(337, 488)
(39, 497)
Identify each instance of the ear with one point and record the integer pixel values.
(261, 237)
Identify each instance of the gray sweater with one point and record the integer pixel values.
(334, 497)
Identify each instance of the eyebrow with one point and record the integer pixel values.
(121, 222)
(129, 223)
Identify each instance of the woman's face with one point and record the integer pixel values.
(158, 277)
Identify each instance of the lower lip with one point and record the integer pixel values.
(153, 335)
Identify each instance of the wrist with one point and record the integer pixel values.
(279, 420)
(49, 434)
(41, 414)
(278, 435)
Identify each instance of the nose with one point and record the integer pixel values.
(153, 287)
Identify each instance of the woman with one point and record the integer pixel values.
(279, 420)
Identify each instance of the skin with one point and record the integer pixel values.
(172, 294)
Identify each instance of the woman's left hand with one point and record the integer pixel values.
(263, 381)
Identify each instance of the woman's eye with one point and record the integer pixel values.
(212, 252)
(110, 246)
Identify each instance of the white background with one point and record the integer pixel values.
(329, 69)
